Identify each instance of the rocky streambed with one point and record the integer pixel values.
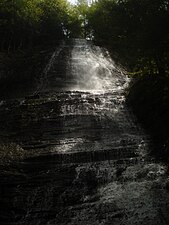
(75, 153)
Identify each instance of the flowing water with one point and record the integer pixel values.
(84, 157)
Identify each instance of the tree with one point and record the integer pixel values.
(24, 23)
(136, 28)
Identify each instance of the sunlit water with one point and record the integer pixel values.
(92, 68)
(89, 161)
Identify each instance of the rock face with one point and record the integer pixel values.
(84, 156)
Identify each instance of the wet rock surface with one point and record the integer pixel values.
(78, 154)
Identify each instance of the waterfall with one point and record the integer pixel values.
(87, 157)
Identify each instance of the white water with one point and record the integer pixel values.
(81, 66)
(93, 70)
(80, 122)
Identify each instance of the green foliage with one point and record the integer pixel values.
(53, 18)
(24, 23)
(136, 28)
(73, 26)
(76, 25)
(18, 22)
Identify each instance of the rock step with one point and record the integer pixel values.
(86, 157)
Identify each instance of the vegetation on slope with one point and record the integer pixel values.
(26, 23)
(137, 31)
(30, 30)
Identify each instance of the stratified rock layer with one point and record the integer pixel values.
(83, 158)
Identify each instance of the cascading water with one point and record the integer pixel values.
(87, 157)
(91, 70)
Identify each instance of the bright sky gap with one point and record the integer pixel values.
(72, 1)
(75, 1)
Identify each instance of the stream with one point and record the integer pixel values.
(83, 157)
